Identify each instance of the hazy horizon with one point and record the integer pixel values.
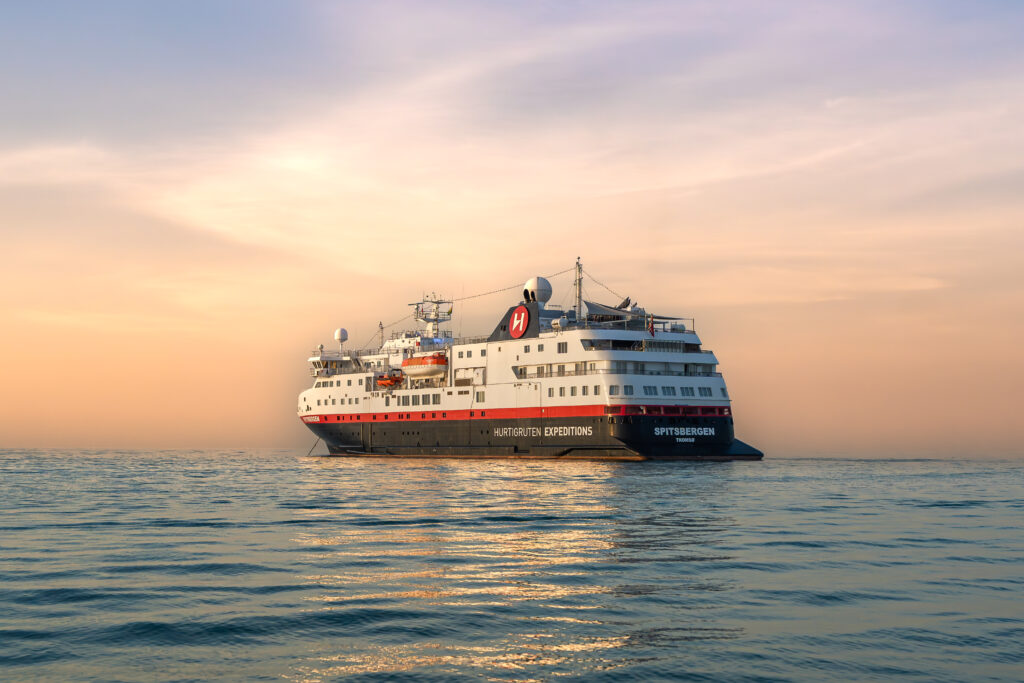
(193, 195)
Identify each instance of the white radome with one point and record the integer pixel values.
(341, 335)
(538, 287)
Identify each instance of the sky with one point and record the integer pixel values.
(194, 194)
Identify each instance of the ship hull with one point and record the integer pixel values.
(637, 437)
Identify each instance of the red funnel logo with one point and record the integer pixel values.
(518, 321)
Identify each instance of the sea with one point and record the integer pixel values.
(278, 566)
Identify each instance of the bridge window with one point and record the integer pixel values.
(705, 392)
(650, 390)
(668, 391)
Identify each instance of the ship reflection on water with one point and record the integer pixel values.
(512, 570)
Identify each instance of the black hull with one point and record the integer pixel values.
(633, 437)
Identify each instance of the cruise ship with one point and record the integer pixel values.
(593, 381)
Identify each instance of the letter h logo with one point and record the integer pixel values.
(518, 321)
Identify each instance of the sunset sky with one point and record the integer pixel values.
(194, 194)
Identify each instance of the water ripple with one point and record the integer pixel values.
(242, 565)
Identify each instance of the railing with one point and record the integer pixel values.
(605, 371)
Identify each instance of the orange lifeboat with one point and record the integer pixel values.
(392, 379)
(425, 366)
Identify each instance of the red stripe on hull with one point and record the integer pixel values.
(433, 414)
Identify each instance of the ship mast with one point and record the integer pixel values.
(579, 290)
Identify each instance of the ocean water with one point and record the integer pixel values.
(239, 565)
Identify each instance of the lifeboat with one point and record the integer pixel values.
(392, 379)
(426, 365)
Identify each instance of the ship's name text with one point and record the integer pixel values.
(684, 431)
(570, 430)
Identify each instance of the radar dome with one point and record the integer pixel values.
(537, 289)
(341, 335)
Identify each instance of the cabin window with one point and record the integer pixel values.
(725, 394)
(561, 391)
(437, 399)
(540, 347)
(551, 392)
(705, 392)
(597, 390)
(387, 401)
(349, 383)
(540, 370)
(483, 352)
(563, 347)
(415, 399)
(561, 370)
(526, 349)
(460, 354)
(357, 400)
(584, 389)
(627, 389)
(359, 381)
(479, 397)
(572, 391)
(613, 389)
(334, 401)
(426, 399)
(318, 401)
(668, 391)
(469, 354)
(650, 390)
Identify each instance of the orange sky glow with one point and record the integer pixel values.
(834, 193)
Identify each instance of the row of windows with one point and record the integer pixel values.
(334, 402)
(469, 353)
(414, 399)
(652, 390)
(332, 383)
(583, 391)
(526, 349)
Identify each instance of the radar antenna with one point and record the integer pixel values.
(433, 310)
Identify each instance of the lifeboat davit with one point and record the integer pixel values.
(426, 365)
(392, 379)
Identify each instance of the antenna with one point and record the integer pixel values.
(579, 290)
(433, 310)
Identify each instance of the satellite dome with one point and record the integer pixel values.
(341, 335)
(537, 289)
